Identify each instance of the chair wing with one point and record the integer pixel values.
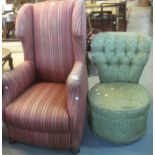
(24, 30)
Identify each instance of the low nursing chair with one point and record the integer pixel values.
(118, 105)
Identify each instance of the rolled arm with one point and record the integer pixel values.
(17, 81)
(73, 88)
(77, 88)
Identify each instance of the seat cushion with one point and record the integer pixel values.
(41, 108)
(118, 96)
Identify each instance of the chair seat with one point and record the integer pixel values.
(118, 111)
(43, 107)
(119, 96)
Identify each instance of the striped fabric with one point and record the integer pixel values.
(63, 24)
(46, 139)
(16, 82)
(45, 103)
(77, 88)
(24, 30)
(54, 55)
(79, 31)
(41, 108)
(77, 19)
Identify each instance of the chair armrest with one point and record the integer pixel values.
(73, 85)
(17, 81)
(77, 88)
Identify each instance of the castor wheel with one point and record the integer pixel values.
(75, 151)
(11, 141)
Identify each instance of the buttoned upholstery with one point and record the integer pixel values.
(44, 99)
(120, 56)
(118, 104)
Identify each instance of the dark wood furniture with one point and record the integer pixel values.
(108, 15)
(8, 26)
(6, 56)
(122, 16)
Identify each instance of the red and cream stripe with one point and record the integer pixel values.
(49, 114)
(24, 30)
(46, 139)
(43, 107)
(79, 31)
(55, 54)
(77, 88)
(17, 81)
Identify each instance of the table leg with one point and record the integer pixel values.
(11, 63)
(125, 26)
(114, 23)
(5, 31)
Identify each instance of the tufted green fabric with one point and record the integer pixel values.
(118, 111)
(118, 105)
(120, 56)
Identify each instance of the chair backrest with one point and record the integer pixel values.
(53, 34)
(120, 56)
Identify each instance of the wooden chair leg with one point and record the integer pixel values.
(11, 141)
(11, 63)
(75, 150)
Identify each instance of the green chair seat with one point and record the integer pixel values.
(119, 111)
(118, 97)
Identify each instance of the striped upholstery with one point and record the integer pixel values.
(46, 139)
(17, 81)
(24, 30)
(78, 24)
(41, 108)
(55, 55)
(79, 31)
(77, 88)
(47, 106)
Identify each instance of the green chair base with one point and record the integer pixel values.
(118, 131)
(121, 123)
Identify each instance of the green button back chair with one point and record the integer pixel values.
(118, 104)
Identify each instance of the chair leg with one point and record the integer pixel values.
(75, 150)
(11, 141)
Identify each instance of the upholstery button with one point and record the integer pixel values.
(76, 98)
(130, 64)
(108, 63)
(136, 52)
(6, 88)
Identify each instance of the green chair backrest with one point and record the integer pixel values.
(120, 56)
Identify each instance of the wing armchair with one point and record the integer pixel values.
(118, 104)
(44, 99)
